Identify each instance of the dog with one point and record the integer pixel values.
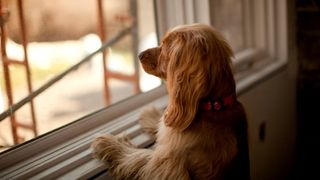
(202, 133)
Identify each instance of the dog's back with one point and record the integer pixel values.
(239, 168)
(225, 135)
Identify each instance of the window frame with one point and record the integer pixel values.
(70, 144)
(65, 152)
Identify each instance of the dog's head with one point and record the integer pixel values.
(195, 62)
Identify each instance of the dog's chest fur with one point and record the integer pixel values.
(205, 144)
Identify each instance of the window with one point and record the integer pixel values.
(227, 16)
(58, 41)
(260, 51)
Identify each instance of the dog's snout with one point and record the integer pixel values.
(142, 55)
(149, 53)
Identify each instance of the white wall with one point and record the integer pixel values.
(272, 102)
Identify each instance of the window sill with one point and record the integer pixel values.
(66, 153)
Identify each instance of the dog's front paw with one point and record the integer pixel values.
(124, 139)
(149, 120)
(107, 149)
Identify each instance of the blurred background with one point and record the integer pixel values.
(53, 36)
(282, 108)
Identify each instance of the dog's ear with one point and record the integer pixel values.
(187, 81)
(199, 65)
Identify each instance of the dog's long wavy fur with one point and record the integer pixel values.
(194, 60)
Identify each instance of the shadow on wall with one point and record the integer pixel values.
(308, 36)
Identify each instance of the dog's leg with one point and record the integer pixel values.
(122, 160)
(149, 120)
(125, 162)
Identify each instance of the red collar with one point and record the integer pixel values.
(218, 104)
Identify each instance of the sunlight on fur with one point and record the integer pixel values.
(202, 134)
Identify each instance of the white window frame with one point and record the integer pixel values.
(65, 153)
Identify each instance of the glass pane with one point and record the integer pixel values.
(227, 17)
(61, 34)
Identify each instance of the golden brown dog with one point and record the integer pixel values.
(203, 132)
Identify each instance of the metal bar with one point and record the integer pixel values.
(135, 42)
(25, 44)
(121, 76)
(9, 61)
(103, 38)
(23, 125)
(35, 93)
(4, 15)
(7, 80)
